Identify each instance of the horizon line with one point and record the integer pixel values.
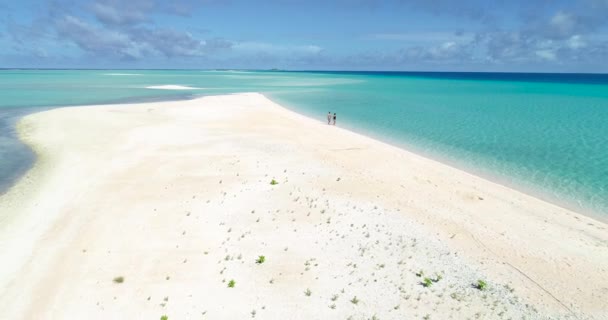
(302, 70)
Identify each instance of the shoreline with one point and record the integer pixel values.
(509, 182)
(25, 111)
(465, 210)
(533, 191)
(530, 190)
(506, 180)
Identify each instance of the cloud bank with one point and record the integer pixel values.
(514, 36)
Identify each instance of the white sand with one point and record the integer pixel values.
(176, 198)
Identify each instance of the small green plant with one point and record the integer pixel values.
(308, 292)
(334, 297)
(231, 283)
(427, 282)
(481, 285)
(164, 317)
(260, 259)
(119, 279)
(354, 300)
(273, 182)
(419, 273)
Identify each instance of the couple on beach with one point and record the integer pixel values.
(329, 118)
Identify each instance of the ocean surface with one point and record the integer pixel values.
(545, 134)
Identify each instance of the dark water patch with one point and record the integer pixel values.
(571, 78)
(15, 157)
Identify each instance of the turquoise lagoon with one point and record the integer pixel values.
(546, 134)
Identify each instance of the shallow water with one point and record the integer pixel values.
(545, 133)
(15, 157)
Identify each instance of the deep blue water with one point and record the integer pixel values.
(583, 78)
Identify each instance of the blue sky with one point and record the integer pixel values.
(434, 35)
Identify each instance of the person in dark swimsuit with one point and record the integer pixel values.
(334, 119)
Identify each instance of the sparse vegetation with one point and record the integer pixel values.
(273, 182)
(119, 279)
(354, 300)
(481, 285)
(427, 282)
(164, 317)
(308, 292)
(260, 259)
(231, 283)
(419, 273)
(334, 297)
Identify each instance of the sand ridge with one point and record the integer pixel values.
(175, 198)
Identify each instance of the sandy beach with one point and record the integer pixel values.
(144, 210)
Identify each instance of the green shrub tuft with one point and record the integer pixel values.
(260, 259)
(481, 285)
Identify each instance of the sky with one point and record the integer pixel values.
(401, 35)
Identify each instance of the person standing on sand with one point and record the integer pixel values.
(334, 118)
(328, 117)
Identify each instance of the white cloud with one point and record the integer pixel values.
(270, 48)
(576, 42)
(563, 22)
(446, 51)
(546, 54)
(93, 39)
(422, 37)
